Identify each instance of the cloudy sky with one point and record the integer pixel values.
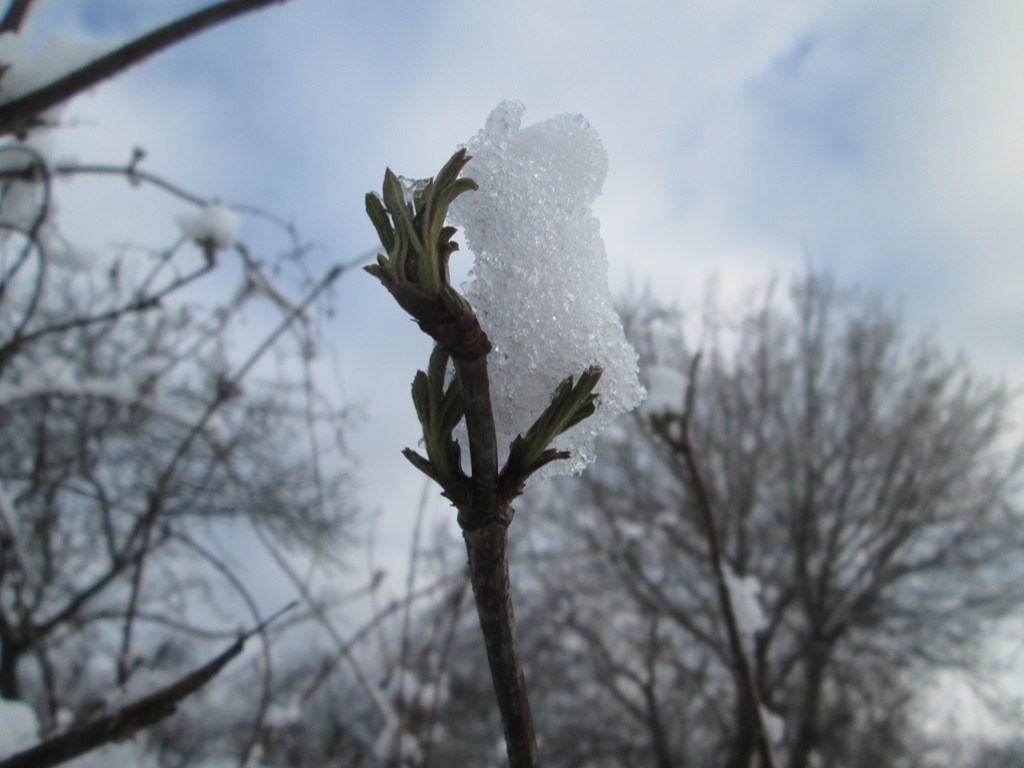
(880, 140)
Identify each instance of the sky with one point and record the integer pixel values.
(747, 140)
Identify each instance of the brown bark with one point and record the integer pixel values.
(483, 442)
(484, 525)
(488, 560)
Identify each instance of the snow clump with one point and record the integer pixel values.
(745, 592)
(774, 725)
(665, 391)
(26, 67)
(215, 226)
(539, 284)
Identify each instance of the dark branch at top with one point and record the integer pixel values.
(15, 15)
(19, 113)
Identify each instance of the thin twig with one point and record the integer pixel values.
(133, 175)
(139, 304)
(34, 171)
(454, 603)
(32, 237)
(144, 527)
(410, 587)
(744, 670)
(344, 649)
(243, 591)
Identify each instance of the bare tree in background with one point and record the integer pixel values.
(1008, 754)
(867, 484)
(148, 444)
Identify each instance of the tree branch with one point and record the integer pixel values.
(133, 174)
(744, 670)
(484, 522)
(488, 562)
(418, 245)
(16, 114)
(125, 721)
(16, 13)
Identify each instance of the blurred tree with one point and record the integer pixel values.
(1009, 754)
(150, 445)
(864, 484)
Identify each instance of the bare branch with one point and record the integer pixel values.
(345, 650)
(16, 114)
(488, 560)
(744, 670)
(125, 721)
(133, 174)
(15, 16)
(141, 303)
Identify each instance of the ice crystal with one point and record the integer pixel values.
(539, 284)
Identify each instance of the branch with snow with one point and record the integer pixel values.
(744, 594)
(539, 283)
(536, 328)
(737, 595)
(113, 726)
(214, 228)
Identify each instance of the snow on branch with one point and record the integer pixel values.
(540, 277)
(214, 228)
(123, 722)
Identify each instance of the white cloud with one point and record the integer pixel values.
(950, 160)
